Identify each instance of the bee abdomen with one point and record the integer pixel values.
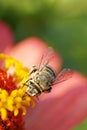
(51, 71)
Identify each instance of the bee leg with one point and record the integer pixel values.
(48, 90)
(25, 83)
(37, 99)
(33, 69)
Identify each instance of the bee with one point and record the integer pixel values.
(42, 78)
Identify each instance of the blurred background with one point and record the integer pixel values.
(60, 23)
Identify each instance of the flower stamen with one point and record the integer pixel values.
(13, 97)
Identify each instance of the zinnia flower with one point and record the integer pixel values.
(65, 106)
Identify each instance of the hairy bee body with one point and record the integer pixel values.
(40, 80)
(43, 77)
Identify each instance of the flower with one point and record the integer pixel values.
(13, 98)
(66, 105)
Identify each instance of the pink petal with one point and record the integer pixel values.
(66, 105)
(6, 37)
(30, 52)
(62, 109)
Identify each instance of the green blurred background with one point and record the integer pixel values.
(61, 23)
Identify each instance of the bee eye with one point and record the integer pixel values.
(31, 82)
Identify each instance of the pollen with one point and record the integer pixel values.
(14, 101)
(20, 72)
(13, 97)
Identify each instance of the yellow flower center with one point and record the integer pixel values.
(17, 99)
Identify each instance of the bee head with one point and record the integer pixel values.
(32, 89)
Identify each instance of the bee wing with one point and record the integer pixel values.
(64, 75)
(47, 56)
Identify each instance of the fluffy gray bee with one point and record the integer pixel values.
(43, 77)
